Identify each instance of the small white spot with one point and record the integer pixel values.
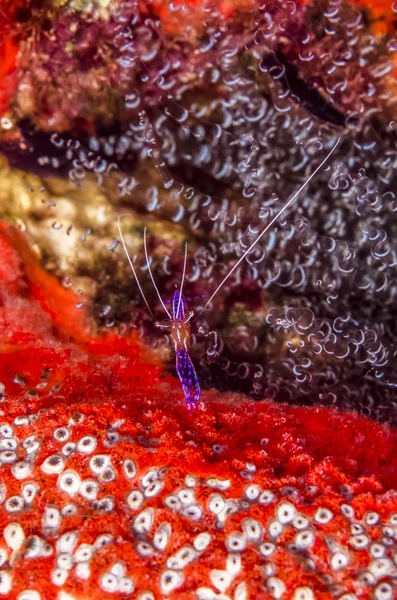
(61, 434)
(86, 445)
(323, 516)
(252, 492)
(102, 540)
(146, 596)
(21, 470)
(303, 593)
(65, 561)
(241, 592)
(384, 591)
(129, 468)
(21, 421)
(173, 503)
(304, 539)
(276, 587)
(267, 548)
(190, 481)
(186, 554)
(69, 482)
(216, 503)
(51, 518)
(108, 583)
(347, 511)
(371, 518)
(29, 595)
(6, 430)
(118, 569)
(89, 489)
(125, 586)
(219, 484)
(14, 536)
(300, 522)
(266, 497)
(99, 463)
(339, 560)
(153, 489)
(381, 567)
(162, 536)
(285, 512)
(236, 542)
(84, 553)
(377, 550)
(252, 529)
(53, 465)
(68, 449)
(186, 497)
(275, 529)
(14, 504)
(220, 579)
(144, 549)
(66, 543)
(233, 564)
(29, 491)
(83, 570)
(59, 576)
(144, 521)
(8, 444)
(150, 477)
(193, 513)
(170, 580)
(356, 529)
(134, 499)
(69, 510)
(107, 475)
(202, 541)
(358, 542)
(8, 457)
(5, 583)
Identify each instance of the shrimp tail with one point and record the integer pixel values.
(188, 377)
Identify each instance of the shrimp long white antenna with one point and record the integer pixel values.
(132, 266)
(182, 282)
(151, 276)
(284, 208)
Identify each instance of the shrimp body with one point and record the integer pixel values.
(178, 322)
(180, 335)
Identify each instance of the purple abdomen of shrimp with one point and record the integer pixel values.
(184, 366)
(188, 377)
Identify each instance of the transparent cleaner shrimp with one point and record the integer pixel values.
(179, 319)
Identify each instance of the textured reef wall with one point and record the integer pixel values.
(196, 121)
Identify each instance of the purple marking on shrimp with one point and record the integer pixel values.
(182, 307)
(188, 377)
